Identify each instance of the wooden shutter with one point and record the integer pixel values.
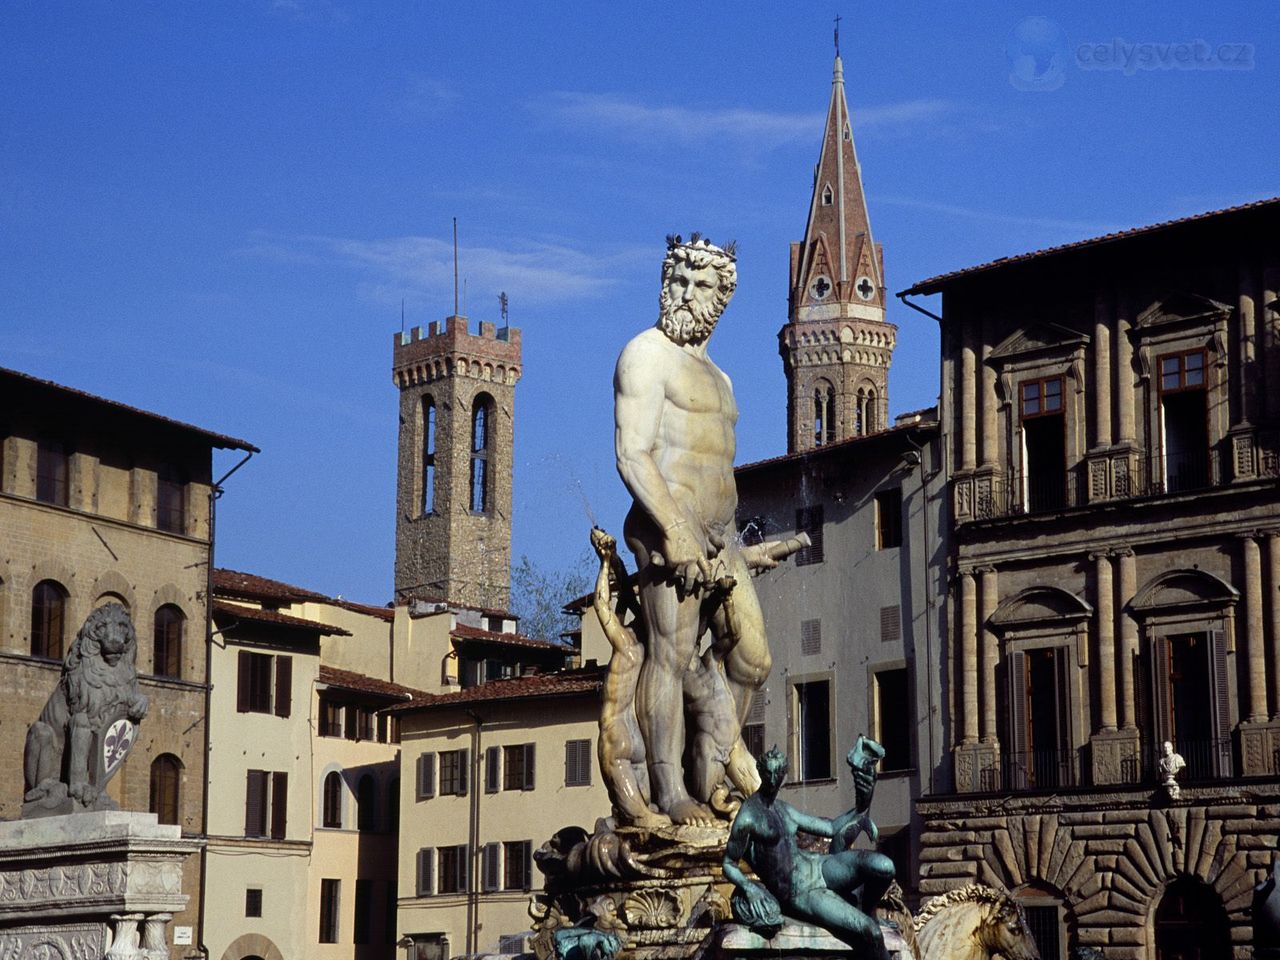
(890, 624)
(1161, 693)
(244, 673)
(426, 775)
(492, 767)
(1220, 715)
(464, 767)
(255, 801)
(528, 766)
(426, 860)
(284, 686)
(351, 717)
(279, 804)
(1066, 763)
(492, 866)
(810, 637)
(464, 867)
(1019, 760)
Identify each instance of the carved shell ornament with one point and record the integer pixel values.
(652, 909)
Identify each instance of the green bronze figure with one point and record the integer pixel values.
(838, 891)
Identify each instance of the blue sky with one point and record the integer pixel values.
(214, 210)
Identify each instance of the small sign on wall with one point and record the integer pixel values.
(181, 936)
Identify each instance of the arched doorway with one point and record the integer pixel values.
(1191, 924)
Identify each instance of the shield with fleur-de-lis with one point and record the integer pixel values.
(113, 741)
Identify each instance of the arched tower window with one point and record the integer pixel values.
(860, 413)
(169, 623)
(428, 454)
(824, 421)
(48, 619)
(331, 802)
(166, 780)
(827, 195)
(872, 417)
(481, 445)
(366, 803)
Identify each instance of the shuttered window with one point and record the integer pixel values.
(48, 610)
(453, 772)
(284, 686)
(890, 624)
(517, 767)
(264, 684)
(331, 804)
(426, 861)
(255, 804)
(426, 776)
(452, 876)
(577, 763)
(809, 520)
(330, 891)
(1192, 714)
(491, 866)
(363, 921)
(889, 519)
(492, 770)
(519, 859)
(810, 637)
(279, 804)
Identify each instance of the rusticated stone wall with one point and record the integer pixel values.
(1109, 855)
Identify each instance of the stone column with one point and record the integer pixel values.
(1254, 631)
(990, 406)
(1101, 371)
(1127, 628)
(968, 396)
(969, 656)
(1105, 626)
(1247, 375)
(1273, 611)
(1124, 371)
(989, 587)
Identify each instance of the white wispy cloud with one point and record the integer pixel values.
(633, 120)
(1084, 227)
(530, 271)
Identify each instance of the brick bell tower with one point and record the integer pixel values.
(453, 481)
(836, 346)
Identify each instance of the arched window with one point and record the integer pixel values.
(167, 657)
(48, 619)
(827, 195)
(393, 805)
(481, 429)
(367, 803)
(331, 807)
(1191, 922)
(824, 420)
(166, 779)
(428, 454)
(860, 414)
(872, 417)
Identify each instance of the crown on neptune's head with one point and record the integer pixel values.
(698, 242)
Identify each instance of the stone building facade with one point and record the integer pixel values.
(852, 621)
(453, 481)
(1109, 417)
(836, 345)
(102, 502)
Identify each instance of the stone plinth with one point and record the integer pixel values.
(90, 885)
(799, 940)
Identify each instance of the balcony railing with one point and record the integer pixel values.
(1178, 472)
(1040, 770)
(1207, 759)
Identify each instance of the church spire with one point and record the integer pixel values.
(839, 261)
(836, 346)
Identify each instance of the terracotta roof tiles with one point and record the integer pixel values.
(360, 683)
(539, 686)
(463, 632)
(258, 615)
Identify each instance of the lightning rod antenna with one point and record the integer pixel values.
(455, 266)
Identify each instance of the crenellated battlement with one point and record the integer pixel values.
(448, 348)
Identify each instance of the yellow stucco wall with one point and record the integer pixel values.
(503, 816)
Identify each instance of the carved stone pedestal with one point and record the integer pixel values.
(977, 768)
(1116, 756)
(736, 942)
(1259, 746)
(90, 886)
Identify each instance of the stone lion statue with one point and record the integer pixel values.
(98, 687)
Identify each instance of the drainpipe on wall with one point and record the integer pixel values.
(473, 838)
(215, 492)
